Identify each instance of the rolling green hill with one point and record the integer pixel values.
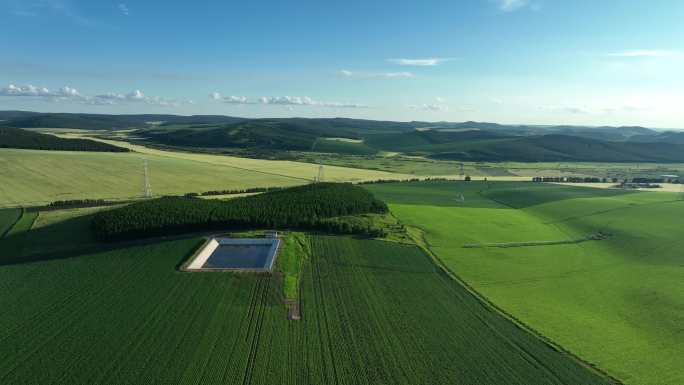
(468, 141)
(617, 303)
(438, 143)
(552, 148)
(21, 119)
(18, 138)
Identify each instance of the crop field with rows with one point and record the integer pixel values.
(372, 312)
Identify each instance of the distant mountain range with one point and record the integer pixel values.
(475, 141)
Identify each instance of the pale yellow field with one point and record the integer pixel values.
(298, 170)
(34, 177)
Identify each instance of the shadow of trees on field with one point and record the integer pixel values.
(70, 238)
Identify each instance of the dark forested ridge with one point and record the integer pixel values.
(25, 119)
(18, 138)
(468, 141)
(304, 207)
(554, 148)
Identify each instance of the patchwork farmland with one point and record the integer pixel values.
(368, 317)
(616, 302)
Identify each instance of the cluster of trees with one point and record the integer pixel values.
(344, 226)
(236, 191)
(573, 179)
(303, 207)
(655, 180)
(17, 138)
(78, 203)
(380, 181)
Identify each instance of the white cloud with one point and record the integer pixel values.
(512, 5)
(375, 75)
(439, 99)
(429, 107)
(135, 95)
(305, 101)
(230, 99)
(598, 110)
(123, 8)
(67, 93)
(645, 53)
(397, 74)
(425, 62)
(28, 90)
(568, 109)
(235, 99)
(282, 101)
(43, 92)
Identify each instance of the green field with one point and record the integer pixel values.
(618, 303)
(373, 312)
(33, 177)
(7, 219)
(342, 146)
(421, 166)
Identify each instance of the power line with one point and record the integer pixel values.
(147, 189)
(321, 174)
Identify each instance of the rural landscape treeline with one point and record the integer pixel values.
(309, 207)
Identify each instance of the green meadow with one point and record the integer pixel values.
(617, 303)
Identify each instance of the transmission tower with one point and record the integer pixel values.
(147, 189)
(320, 177)
(459, 195)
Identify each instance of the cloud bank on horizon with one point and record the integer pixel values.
(515, 61)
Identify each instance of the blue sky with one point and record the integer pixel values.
(612, 62)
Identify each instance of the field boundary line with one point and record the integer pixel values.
(591, 237)
(10, 227)
(424, 245)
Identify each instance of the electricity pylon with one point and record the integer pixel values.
(147, 189)
(320, 177)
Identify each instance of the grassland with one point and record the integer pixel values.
(297, 170)
(78, 175)
(7, 219)
(617, 303)
(23, 224)
(127, 316)
(293, 252)
(342, 146)
(421, 166)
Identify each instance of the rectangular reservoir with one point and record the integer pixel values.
(248, 254)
